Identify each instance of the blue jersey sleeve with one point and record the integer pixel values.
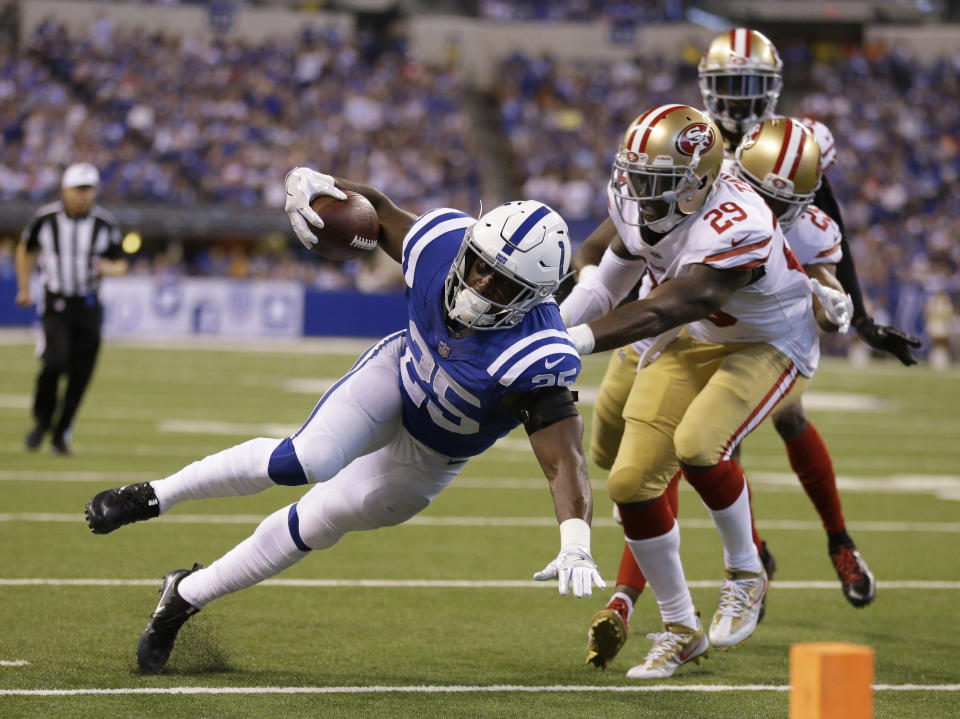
(544, 357)
(433, 239)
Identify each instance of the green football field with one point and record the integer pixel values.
(439, 617)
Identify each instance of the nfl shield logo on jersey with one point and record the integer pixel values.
(443, 348)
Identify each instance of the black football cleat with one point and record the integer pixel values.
(113, 508)
(859, 586)
(34, 438)
(172, 612)
(60, 446)
(769, 566)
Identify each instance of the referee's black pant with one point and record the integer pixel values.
(71, 328)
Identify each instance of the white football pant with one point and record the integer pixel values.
(368, 471)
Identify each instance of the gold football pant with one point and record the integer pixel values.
(694, 404)
(606, 427)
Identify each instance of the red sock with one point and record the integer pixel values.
(630, 574)
(719, 485)
(811, 461)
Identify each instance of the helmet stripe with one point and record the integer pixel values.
(637, 127)
(799, 153)
(740, 42)
(648, 125)
(521, 232)
(788, 131)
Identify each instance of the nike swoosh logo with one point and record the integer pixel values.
(551, 365)
(734, 243)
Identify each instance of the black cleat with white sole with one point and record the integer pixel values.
(172, 612)
(113, 508)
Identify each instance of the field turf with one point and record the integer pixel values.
(312, 647)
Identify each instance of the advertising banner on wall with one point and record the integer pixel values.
(157, 307)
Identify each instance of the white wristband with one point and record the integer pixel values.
(583, 338)
(575, 533)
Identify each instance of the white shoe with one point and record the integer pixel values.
(741, 599)
(676, 645)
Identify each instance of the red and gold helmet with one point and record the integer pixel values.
(666, 167)
(740, 79)
(781, 159)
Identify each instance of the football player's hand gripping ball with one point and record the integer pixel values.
(573, 568)
(303, 185)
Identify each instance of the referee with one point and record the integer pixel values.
(74, 242)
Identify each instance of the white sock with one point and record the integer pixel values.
(268, 551)
(659, 560)
(626, 599)
(234, 472)
(736, 532)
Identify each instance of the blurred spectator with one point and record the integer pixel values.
(939, 314)
(185, 119)
(624, 11)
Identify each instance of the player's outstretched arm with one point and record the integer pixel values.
(558, 446)
(697, 293)
(303, 185)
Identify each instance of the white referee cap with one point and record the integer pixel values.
(80, 174)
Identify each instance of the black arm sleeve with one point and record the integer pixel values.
(846, 271)
(542, 407)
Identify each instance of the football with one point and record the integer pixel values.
(350, 227)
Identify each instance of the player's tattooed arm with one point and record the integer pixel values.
(695, 294)
(394, 221)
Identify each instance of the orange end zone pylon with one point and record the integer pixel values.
(831, 680)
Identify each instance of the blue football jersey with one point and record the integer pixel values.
(452, 388)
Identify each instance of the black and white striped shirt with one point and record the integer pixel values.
(68, 247)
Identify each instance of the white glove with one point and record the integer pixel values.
(303, 185)
(837, 306)
(573, 567)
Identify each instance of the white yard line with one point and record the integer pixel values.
(448, 583)
(14, 663)
(528, 522)
(460, 689)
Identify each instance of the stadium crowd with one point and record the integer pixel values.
(616, 11)
(184, 120)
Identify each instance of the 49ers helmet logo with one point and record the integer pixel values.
(694, 137)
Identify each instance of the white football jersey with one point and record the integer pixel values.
(815, 238)
(735, 230)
